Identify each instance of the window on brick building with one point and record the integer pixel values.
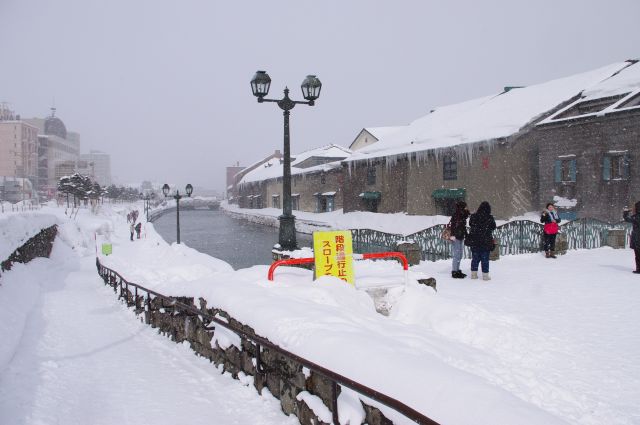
(371, 175)
(449, 168)
(565, 170)
(615, 166)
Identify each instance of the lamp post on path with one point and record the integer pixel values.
(147, 197)
(311, 86)
(189, 190)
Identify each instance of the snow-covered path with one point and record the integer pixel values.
(83, 358)
(544, 342)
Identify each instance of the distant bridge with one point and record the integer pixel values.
(196, 203)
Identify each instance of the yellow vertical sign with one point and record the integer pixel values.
(333, 252)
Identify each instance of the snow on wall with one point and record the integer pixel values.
(16, 229)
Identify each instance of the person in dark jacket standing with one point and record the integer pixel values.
(480, 239)
(635, 233)
(138, 229)
(550, 219)
(458, 225)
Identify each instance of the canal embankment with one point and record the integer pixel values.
(308, 222)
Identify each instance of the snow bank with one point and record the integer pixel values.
(544, 342)
(16, 229)
(18, 297)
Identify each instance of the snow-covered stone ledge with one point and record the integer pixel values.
(17, 229)
(39, 245)
(302, 392)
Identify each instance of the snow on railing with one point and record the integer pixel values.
(515, 237)
(122, 286)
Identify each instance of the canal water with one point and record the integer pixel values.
(238, 242)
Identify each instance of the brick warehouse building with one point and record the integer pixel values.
(483, 149)
(589, 151)
(572, 140)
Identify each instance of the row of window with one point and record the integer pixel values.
(614, 167)
(324, 203)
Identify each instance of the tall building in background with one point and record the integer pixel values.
(99, 166)
(18, 155)
(58, 152)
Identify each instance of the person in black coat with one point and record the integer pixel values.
(480, 239)
(635, 233)
(550, 219)
(458, 225)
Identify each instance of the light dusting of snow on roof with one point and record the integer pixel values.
(484, 119)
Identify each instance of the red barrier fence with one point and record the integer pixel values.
(368, 256)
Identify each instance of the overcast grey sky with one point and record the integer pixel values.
(163, 86)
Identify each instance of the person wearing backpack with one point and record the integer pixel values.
(480, 239)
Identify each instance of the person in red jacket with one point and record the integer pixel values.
(550, 219)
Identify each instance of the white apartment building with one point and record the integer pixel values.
(18, 147)
(58, 151)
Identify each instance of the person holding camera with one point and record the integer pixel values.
(550, 219)
(634, 219)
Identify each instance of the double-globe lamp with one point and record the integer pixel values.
(189, 190)
(311, 86)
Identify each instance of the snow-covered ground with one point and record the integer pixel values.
(544, 342)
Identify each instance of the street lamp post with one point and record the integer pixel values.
(165, 190)
(147, 202)
(311, 86)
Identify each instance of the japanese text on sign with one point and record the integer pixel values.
(333, 254)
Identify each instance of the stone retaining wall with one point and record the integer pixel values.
(38, 246)
(282, 376)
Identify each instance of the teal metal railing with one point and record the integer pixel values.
(514, 237)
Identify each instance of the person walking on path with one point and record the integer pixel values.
(550, 219)
(480, 239)
(132, 229)
(635, 233)
(138, 229)
(458, 226)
